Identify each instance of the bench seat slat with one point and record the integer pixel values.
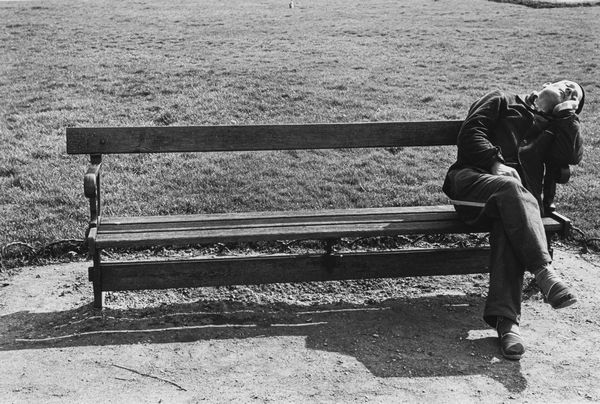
(276, 219)
(244, 228)
(274, 233)
(248, 226)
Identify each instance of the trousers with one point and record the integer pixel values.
(517, 238)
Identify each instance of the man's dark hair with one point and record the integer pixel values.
(581, 101)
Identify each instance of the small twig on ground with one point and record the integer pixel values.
(222, 247)
(358, 240)
(150, 376)
(107, 253)
(404, 239)
(125, 380)
(483, 239)
(416, 240)
(283, 246)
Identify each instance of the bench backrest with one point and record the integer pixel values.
(165, 139)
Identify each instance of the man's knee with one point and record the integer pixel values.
(513, 190)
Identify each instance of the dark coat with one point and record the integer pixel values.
(504, 127)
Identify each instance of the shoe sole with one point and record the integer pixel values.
(565, 302)
(512, 357)
(563, 298)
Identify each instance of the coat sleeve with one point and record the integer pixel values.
(567, 147)
(474, 142)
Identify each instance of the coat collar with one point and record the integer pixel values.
(527, 101)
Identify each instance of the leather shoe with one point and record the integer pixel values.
(559, 296)
(511, 343)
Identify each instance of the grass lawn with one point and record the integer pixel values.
(148, 62)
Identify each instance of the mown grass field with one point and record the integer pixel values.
(149, 62)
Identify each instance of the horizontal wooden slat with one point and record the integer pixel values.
(279, 227)
(288, 268)
(274, 233)
(260, 137)
(280, 214)
(277, 218)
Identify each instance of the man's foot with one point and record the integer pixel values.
(555, 292)
(511, 343)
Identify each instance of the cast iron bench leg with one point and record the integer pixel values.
(97, 281)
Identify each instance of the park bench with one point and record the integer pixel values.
(326, 225)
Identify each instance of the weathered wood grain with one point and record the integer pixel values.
(281, 214)
(291, 268)
(284, 229)
(273, 219)
(260, 137)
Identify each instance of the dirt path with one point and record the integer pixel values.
(402, 340)
(552, 3)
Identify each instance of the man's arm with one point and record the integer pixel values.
(474, 139)
(567, 147)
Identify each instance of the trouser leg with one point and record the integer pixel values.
(506, 279)
(509, 202)
(517, 236)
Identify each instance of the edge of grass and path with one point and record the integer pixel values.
(72, 63)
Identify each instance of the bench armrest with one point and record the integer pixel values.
(91, 180)
(91, 189)
(565, 221)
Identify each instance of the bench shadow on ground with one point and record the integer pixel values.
(435, 336)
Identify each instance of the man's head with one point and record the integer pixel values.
(564, 91)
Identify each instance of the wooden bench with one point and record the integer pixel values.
(327, 225)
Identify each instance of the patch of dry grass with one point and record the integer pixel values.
(150, 62)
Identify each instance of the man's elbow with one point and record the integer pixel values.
(577, 154)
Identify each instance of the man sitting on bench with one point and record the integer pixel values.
(505, 145)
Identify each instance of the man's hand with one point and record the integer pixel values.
(571, 104)
(502, 169)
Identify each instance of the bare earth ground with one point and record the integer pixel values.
(552, 3)
(400, 340)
